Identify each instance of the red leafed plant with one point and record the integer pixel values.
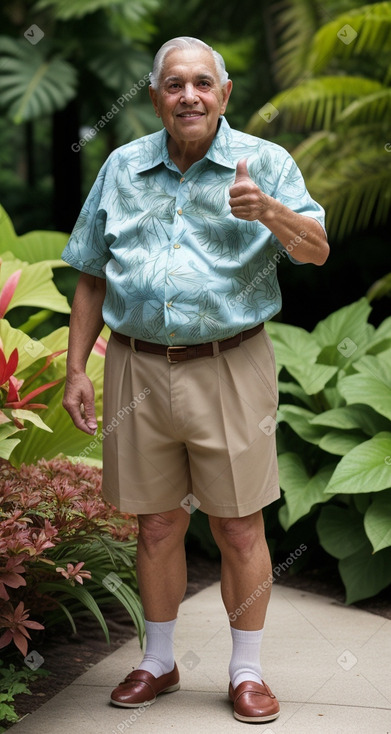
(10, 386)
(56, 534)
(17, 622)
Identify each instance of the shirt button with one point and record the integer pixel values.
(169, 304)
(179, 211)
(173, 334)
(176, 247)
(181, 180)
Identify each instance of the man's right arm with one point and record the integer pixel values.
(86, 323)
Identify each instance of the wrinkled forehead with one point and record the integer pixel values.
(192, 62)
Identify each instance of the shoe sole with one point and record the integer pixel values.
(170, 689)
(256, 719)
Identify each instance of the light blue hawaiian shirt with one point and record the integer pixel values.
(180, 268)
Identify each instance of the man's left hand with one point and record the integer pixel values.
(247, 200)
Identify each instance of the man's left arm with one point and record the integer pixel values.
(248, 201)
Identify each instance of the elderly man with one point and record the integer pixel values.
(178, 243)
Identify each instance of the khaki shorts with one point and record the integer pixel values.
(204, 428)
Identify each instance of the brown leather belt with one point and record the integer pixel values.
(178, 353)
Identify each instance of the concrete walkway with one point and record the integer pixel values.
(329, 666)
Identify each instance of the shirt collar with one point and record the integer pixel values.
(219, 151)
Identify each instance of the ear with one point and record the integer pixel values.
(227, 89)
(154, 98)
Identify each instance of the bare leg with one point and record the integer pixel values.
(161, 563)
(245, 566)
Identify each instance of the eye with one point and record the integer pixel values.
(204, 84)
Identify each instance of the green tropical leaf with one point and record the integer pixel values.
(33, 246)
(28, 415)
(348, 322)
(378, 366)
(297, 351)
(299, 420)
(29, 351)
(377, 521)
(291, 342)
(340, 442)
(364, 468)
(7, 446)
(301, 491)
(365, 574)
(368, 390)
(35, 286)
(121, 67)
(341, 531)
(65, 438)
(351, 417)
(30, 84)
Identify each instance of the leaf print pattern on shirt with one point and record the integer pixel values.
(187, 271)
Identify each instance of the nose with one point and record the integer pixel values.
(189, 94)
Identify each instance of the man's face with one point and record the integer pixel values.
(190, 98)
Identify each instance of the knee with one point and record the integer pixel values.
(155, 529)
(239, 534)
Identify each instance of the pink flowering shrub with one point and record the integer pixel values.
(57, 535)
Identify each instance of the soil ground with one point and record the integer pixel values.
(68, 656)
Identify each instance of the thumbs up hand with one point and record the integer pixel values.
(247, 201)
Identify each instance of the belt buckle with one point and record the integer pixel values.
(168, 353)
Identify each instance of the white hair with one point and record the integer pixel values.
(184, 43)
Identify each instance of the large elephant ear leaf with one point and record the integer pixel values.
(32, 85)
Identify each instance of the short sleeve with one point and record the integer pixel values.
(292, 192)
(87, 249)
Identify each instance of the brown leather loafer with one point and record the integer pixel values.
(140, 688)
(253, 702)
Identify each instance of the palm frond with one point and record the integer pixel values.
(30, 84)
(364, 31)
(310, 150)
(354, 190)
(314, 104)
(372, 108)
(295, 23)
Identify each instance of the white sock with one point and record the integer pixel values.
(159, 653)
(244, 663)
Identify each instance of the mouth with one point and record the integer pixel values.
(190, 115)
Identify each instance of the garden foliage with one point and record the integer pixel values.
(339, 105)
(56, 532)
(63, 550)
(334, 440)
